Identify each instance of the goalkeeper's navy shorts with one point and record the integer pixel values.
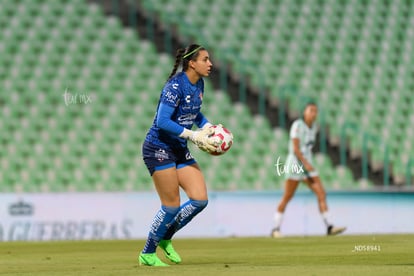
(158, 158)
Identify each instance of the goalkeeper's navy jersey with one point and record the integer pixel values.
(186, 98)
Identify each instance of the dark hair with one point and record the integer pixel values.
(184, 56)
(308, 103)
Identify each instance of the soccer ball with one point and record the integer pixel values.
(225, 137)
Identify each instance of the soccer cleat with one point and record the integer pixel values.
(169, 251)
(150, 259)
(332, 230)
(275, 233)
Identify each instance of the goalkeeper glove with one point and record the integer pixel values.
(201, 138)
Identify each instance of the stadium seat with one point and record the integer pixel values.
(331, 51)
(345, 54)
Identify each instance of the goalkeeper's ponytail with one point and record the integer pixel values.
(178, 58)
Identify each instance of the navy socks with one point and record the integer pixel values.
(169, 220)
(187, 212)
(159, 227)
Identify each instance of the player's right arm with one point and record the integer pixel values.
(169, 101)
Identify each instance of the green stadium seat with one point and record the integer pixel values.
(341, 54)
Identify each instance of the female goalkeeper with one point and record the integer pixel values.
(167, 157)
(299, 168)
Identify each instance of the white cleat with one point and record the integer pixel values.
(276, 233)
(332, 230)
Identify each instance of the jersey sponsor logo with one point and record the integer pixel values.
(170, 97)
(161, 155)
(187, 119)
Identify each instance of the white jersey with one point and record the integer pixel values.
(306, 136)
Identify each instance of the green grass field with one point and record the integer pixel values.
(342, 255)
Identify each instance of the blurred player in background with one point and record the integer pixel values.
(299, 168)
(167, 157)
